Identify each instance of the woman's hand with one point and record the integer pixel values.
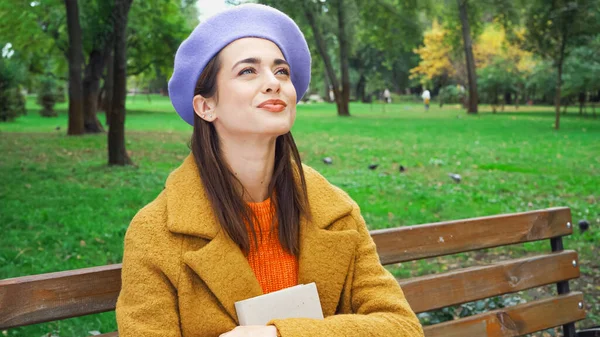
(252, 331)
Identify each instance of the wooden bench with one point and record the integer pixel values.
(54, 296)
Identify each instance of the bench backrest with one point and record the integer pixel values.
(48, 297)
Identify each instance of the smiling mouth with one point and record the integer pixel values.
(274, 105)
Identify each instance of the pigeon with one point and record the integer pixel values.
(455, 177)
(401, 168)
(373, 166)
(328, 160)
(57, 128)
(584, 225)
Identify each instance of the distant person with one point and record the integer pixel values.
(387, 97)
(426, 98)
(242, 216)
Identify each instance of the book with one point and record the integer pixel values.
(301, 301)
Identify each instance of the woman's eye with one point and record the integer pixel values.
(283, 71)
(247, 71)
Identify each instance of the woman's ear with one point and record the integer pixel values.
(204, 108)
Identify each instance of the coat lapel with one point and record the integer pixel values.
(325, 253)
(226, 272)
(325, 258)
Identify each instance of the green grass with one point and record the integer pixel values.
(62, 207)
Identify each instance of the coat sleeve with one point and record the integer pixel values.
(147, 304)
(378, 304)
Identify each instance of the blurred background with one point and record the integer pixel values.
(423, 111)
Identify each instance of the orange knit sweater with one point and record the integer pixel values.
(274, 268)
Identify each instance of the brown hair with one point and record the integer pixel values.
(287, 188)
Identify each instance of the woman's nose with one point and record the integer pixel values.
(271, 83)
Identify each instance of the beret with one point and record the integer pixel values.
(216, 32)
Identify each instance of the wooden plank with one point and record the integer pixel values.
(48, 297)
(470, 284)
(444, 238)
(514, 321)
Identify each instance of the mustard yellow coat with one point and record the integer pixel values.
(182, 274)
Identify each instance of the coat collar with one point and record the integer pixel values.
(325, 255)
(190, 211)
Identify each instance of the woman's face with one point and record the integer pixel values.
(255, 95)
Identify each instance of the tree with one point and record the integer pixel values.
(555, 28)
(470, 60)
(117, 154)
(385, 38)
(581, 73)
(435, 57)
(99, 19)
(75, 60)
(314, 14)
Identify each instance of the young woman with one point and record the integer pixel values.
(242, 216)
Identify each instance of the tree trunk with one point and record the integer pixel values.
(117, 155)
(91, 86)
(508, 98)
(471, 75)
(559, 66)
(344, 54)
(360, 88)
(75, 54)
(557, 98)
(109, 85)
(326, 96)
(322, 48)
(581, 102)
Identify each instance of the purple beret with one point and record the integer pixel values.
(216, 32)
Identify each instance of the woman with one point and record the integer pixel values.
(241, 216)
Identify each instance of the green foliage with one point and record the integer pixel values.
(12, 102)
(47, 96)
(582, 69)
(155, 30)
(453, 93)
(541, 84)
(495, 80)
(553, 29)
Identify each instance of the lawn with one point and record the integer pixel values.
(62, 207)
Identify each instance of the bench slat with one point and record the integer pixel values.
(470, 284)
(48, 297)
(514, 321)
(445, 238)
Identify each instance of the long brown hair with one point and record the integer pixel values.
(287, 188)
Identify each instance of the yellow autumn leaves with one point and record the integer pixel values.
(438, 56)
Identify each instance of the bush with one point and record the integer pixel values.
(12, 102)
(47, 96)
(451, 94)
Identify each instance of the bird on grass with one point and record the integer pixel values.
(456, 177)
(373, 166)
(328, 160)
(584, 225)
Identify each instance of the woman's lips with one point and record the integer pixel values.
(273, 105)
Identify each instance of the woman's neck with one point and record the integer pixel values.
(252, 162)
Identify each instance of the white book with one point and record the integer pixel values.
(301, 301)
